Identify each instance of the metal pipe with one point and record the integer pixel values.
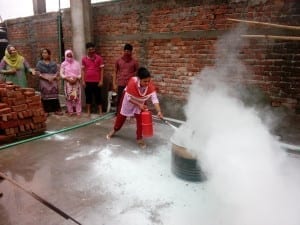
(59, 35)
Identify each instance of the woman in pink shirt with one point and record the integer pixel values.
(138, 90)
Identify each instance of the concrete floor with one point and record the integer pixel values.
(97, 181)
(66, 170)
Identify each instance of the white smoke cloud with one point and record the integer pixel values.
(250, 180)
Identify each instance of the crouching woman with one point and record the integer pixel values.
(138, 90)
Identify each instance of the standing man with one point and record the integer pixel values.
(92, 77)
(125, 68)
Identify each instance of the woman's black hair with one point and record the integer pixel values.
(143, 73)
(45, 49)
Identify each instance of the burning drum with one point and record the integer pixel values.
(185, 165)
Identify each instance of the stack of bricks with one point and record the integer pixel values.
(21, 113)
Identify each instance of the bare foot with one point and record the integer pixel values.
(141, 143)
(110, 135)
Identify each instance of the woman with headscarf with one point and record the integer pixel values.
(14, 67)
(49, 82)
(70, 71)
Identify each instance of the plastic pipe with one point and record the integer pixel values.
(106, 116)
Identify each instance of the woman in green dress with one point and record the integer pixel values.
(14, 67)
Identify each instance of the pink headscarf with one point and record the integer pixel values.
(69, 59)
(70, 66)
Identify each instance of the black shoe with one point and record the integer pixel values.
(1, 194)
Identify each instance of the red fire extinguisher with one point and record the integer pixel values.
(147, 126)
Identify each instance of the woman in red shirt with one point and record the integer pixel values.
(138, 90)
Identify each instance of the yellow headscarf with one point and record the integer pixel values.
(14, 61)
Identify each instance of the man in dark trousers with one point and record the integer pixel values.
(92, 77)
(125, 68)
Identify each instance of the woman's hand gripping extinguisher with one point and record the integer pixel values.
(147, 125)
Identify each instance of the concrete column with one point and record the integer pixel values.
(87, 16)
(81, 29)
(39, 6)
(78, 31)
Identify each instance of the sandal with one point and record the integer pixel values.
(141, 143)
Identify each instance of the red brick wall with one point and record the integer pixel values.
(175, 40)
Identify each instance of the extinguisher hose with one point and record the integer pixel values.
(166, 122)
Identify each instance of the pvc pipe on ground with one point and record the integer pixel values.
(106, 116)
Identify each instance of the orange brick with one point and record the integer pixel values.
(21, 128)
(6, 138)
(27, 89)
(18, 108)
(35, 105)
(5, 111)
(6, 117)
(11, 131)
(25, 134)
(19, 101)
(20, 115)
(27, 126)
(24, 121)
(3, 92)
(32, 126)
(35, 98)
(39, 119)
(29, 113)
(11, 93)
(19, 95)
(9, 85)
(39, 112)
(14, 115)
(29, 93)
(8, 124)
(3, 105)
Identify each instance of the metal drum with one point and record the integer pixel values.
(184, 165)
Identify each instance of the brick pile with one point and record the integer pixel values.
(21, 113)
